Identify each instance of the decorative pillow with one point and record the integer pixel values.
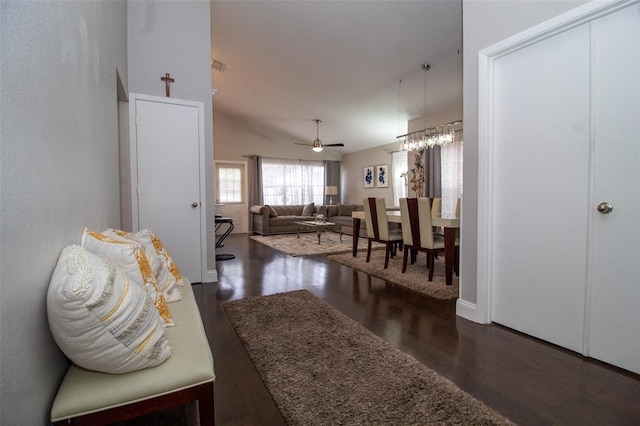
(272, 211)
(131, 258)
(345, 209)
(308, 209)
(166, 281)
(100, 319)
(164, 256)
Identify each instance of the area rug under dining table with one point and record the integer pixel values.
(323, 368)
(415, 278)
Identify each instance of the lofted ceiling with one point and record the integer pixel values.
(355, 65)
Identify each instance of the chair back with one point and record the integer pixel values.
(436, 205)
(416, 222)
(375, 213)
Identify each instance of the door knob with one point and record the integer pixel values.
(605, 207)
(194, 205)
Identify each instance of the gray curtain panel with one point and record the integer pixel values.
(255, 180)
(332, 178)
(432, 172)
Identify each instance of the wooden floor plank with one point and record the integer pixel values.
(530, 381)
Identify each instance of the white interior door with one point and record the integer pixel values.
(168, 179)
(614, 317)
(539, 188)
(561, 137)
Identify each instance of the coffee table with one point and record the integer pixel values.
(319, 228)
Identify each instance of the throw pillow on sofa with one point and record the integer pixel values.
(308, 209)
(345, 209)
(272, 211)
(100, 318)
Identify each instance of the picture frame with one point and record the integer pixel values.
(368, 177)
(382, 176)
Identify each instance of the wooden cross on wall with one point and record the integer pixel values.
(167, 81)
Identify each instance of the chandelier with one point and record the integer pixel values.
(429, 137)
(441, 134)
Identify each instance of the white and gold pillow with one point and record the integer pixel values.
(164, 255)
(100, 319)
(129, 256)
(167, 283)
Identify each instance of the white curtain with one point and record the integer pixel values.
(286, 182)
(451, 161)
(399, 177)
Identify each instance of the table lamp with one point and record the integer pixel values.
(331, 191)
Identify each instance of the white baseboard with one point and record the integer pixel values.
(211, 276)
(467, 310)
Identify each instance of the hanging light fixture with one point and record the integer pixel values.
(317, 144)
(441, 134)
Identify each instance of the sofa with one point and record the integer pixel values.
(280, 219)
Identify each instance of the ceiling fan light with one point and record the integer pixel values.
(317, 145)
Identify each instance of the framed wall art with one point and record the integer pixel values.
(382, 176)
(368, 177)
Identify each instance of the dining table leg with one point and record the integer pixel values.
(449, 253)
(356, 235)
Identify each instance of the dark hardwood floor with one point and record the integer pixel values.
(529, 381)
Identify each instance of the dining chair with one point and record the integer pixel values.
(375, 213)
(417, 231)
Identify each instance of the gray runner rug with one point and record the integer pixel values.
(322, 368)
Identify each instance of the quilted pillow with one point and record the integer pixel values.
(166, 281)
(100, 319)
(164, 256)
(131, 258)
(308, 209)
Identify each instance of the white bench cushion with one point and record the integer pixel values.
(190, 364)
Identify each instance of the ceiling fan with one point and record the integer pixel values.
(317, 144)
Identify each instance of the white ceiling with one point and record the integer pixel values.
(289, 62)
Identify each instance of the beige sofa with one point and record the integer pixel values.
(270, 219)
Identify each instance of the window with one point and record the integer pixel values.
(292, 181)
(399, 169)
(229, 184)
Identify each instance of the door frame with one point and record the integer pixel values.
(133, 153)
(481, 311)
(245, 184)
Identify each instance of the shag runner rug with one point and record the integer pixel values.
(307, 244)
(415, 278)
(322, 368)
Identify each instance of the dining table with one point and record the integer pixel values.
(450, 225)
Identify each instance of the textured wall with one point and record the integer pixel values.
(58, 173)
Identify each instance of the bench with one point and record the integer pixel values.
(92, 398)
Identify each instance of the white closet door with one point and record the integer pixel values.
(168, 185)
(539, 188)
(614, 316)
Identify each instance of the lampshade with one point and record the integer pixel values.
(331, 190)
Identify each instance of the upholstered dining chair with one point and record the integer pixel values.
(417, 231)
(375, 213)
